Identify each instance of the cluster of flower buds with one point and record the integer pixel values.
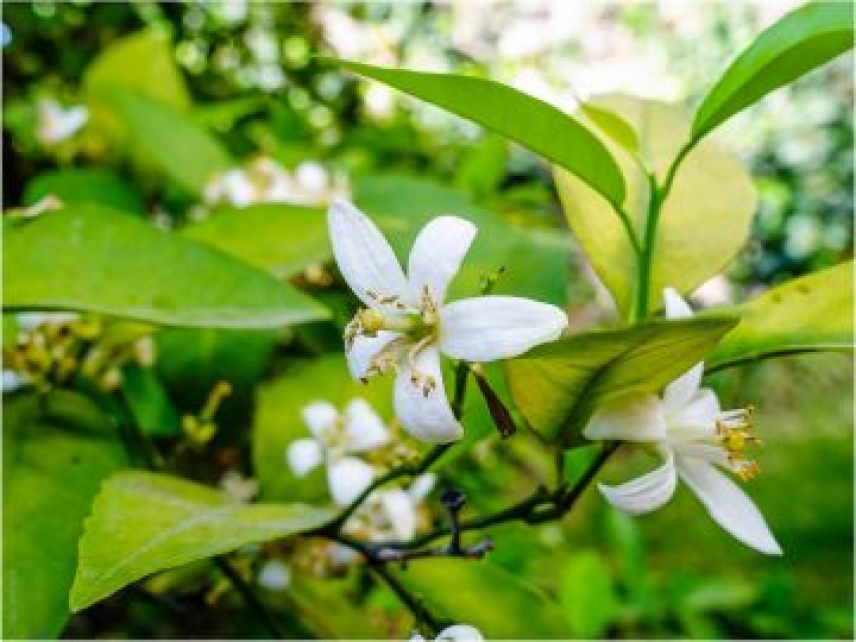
(53, 350)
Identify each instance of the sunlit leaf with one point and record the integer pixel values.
(85, 185)
(56, 451)
(146, 522)
(557, 386)
(803, 315)
(95, 259)
(183, 150)
(526, 120)
(704, 222)
(499, 604)
(795, 45)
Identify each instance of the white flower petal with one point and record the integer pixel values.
(460, 633)
(303, 455)
(364, 349)
(422, 486)
(365, 259)
(426, 416)
(437, 254)
(695, 419)
(728, 505)
(489, 328)
(400, 513)
(676, 306)
(319, 417)
(364, 429)
(646, 493)
(347, 478)
(632, 418)
(274, 575)
(682, 389)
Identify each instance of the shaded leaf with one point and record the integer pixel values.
(807, 314)
(56, 451)
(558, 386)
(95, 259)
(147, 522)
(704, 222)
(85, 185)
(587, 595)
(795, 45)
(528, 121)
(148, 401)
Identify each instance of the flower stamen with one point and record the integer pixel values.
(734, 430)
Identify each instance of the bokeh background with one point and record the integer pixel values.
(247, 71)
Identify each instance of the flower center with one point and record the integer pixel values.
(734, 431)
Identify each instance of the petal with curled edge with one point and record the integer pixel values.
(347, 478)
(637, 418)
(437, 253)
(365, 258)
(364, 429)
(304, 455)
(489, 328)
(728, 504)
(646, 493)
(426, 415)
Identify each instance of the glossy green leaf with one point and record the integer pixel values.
(795, 45)
(528, 121)
(56, 451)
(149, 402)
(96, 259)
(705, 220)
(587, 595)
(147, 522)
(183, 150)
(807, 314)
(559, 385)
(282, 239)
(499, 604)
(85, 185)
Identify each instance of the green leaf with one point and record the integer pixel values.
(499, 604)
(806, 314)
(56, 451)
(528, 121)
(282, 239)
(795, 45)
(613, 125)
(142, 62)
(183, 150)
(85, 185)
(142, 523)
(705, 220)
(148, 401)
(587, 595)
(95, 259)
(558, 386)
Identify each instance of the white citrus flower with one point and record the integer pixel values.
(335, 438)
(694, 436)
(456, 633)
(392, 513)
(406, 324)
(57, 123)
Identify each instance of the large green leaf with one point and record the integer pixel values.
(814, 312)
(85, 185)
(283, 239)
(704, 221)
(56, 451)
(587, 595)
(558, 386)
(528, 121)
(147, 522)
(183, 150)
(798, 43)
(96, 259)
(501, 605)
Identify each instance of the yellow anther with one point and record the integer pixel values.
(735, 441)
(371, 321)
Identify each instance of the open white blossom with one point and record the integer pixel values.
(688, 429)
(455, 633)
(265, 181)
(406, 324)
(392, 513)
(336, 437)
(57, 123)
